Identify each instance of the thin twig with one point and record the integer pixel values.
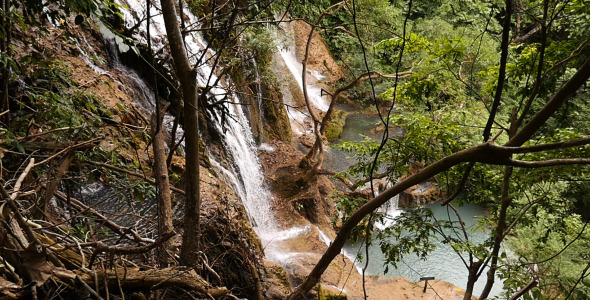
(85, 143)
(134, 174)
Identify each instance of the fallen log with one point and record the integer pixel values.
(133, 279)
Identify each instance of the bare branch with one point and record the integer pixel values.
(134, 174)
(501, 72)
(548, 163)
(533, 283)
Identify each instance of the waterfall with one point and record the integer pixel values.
(288, 54)
(287, 59)
(390, 211)
(258, 100)
(245, 171)
(238, 140)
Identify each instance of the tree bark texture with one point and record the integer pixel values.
(501, 72)
(165, 225)
(499, 233)
(187, 76)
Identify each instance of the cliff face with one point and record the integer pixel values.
(85, 117)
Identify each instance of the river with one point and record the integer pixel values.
(443, 263)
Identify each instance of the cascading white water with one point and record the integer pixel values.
(390, 211)
(297, 112)
(238, 141)
(287, 51)
(314, 92)
(245, 172)
(259, 96)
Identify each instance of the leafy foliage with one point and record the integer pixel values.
(450, 56)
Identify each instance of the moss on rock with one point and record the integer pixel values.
(324, 293)
(275, 115)
(335, 126)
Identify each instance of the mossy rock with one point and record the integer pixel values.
(335, 126)
(325, 294)
(276, 118)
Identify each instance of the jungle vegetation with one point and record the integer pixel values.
(491, 97)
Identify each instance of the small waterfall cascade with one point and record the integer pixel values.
(147, 96)
(287, 51)
(258, 84)
(300, 123)
(390, 209)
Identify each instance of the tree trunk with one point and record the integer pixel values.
(187, 77)
(471, 279)
(164, 193)
(499, 233)
(317, 148)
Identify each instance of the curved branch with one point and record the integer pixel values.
(364, 77)
(566, 92)
(533, 283)
(548, 163)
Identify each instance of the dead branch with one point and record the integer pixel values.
(101, 247)
(61, 170)
(134, 174)
(151, 279)
(123, 231)
(88, 288)
(21, 178)
(2, 142)
(22, 222)
(73, 147)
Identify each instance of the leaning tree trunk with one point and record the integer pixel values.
(165, 226)
(188, 82)
(317, 149)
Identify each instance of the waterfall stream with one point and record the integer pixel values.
(287, 58)
(244, 171)
(296, 68)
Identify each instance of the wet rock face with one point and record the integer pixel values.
(276, 124)
(321, 59)
(420, 194)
